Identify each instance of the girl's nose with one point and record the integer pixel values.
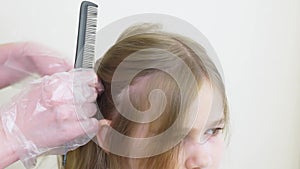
(198, 157)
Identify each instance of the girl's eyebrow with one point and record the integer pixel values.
(198, 130)
(208, 125)
(211, 124)
(216, 122)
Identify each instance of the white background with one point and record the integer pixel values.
(257, 42)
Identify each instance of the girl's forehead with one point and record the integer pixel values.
(208, 107)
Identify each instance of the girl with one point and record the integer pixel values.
(164, 105)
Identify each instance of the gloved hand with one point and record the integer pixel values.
(18, 60)
(53, 115)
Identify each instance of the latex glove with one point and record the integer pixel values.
(18, 60)
(53, 115)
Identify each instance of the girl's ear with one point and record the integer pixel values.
(104, 126)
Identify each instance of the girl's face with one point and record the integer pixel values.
(204, 145)
(206, 155)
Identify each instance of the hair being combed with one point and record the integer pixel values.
(136, 38)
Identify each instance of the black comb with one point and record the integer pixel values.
(86, 40)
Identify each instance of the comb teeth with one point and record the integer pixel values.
(90, 37)
(85, 53)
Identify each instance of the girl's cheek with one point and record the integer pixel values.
(219, 149)
(217, 145)
(219, 139)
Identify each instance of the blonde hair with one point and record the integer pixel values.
(134, 39)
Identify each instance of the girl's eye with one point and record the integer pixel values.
(213, 131)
